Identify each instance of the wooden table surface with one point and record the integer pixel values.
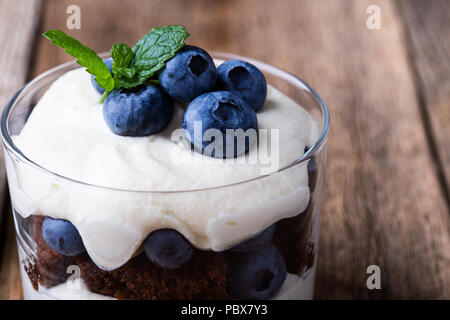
(387, 196)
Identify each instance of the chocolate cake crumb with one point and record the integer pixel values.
(203, 277)
(32, 272)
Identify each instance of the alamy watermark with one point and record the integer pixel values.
(374, 280)
(74, 280)
(263, 146)
(374, 20)
(73, 21)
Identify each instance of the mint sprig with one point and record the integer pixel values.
(86, 57)
(122, 56)
(131, 66)
(150, 54)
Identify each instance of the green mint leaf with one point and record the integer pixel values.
(131, 67)
(155, 49)
(86, 57)
(122, 56)
(124, 82)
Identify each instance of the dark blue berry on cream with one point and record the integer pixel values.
(140, 111)
(167, 248)
(189, 74)
(216, 124)
(256, 275)
(245, 79)
(62, 236)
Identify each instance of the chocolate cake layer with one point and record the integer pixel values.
(203, 277)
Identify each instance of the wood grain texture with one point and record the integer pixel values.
(428, 28)
(15, 50)
(10, 283)
(18, 25)
(383, 202)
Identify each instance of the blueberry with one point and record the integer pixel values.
(189, 74)
(167, 248)
(256, 274)
(245, 79)
(140, 111)
(109, 63)
(257, 241)
(220, 110)
(62, 236)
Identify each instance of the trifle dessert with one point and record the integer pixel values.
(164, 173)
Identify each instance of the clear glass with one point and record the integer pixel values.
(35, 190)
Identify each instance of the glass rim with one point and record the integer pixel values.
(287, 76)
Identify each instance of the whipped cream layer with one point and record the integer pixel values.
(66, 134)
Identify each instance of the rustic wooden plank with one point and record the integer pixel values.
(384, 204)
(16, 43)
(10, 283)
(427, 27)
(383, 200)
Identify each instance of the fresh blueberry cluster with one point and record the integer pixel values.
(222, 100)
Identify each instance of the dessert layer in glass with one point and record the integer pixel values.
(80, 172)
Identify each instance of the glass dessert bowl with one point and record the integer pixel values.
(250, 236)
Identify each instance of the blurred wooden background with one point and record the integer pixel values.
(388, 90)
